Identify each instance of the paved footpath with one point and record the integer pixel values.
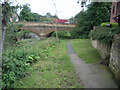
(91, 75)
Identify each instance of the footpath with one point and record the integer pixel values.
(91, 75)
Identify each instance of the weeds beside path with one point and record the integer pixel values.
(54, 72)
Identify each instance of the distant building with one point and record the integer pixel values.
(48, 15)
(115, 11)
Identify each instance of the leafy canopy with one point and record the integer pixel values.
(96, 13)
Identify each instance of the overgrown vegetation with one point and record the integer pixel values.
(13, 34)
(62, 34)
(55, 71)
(17, 60)
(85, 51)
(104, 34)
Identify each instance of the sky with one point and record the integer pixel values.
(64, 9)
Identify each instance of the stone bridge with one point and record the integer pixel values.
(43, 29)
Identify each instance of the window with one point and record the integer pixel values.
(113, 10)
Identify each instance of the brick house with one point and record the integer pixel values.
(115, 11)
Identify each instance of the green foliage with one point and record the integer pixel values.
(96, 13)
(114, 24)
(16, 61)
(35, 17)
(62, 34)
(12, 33)
(6, 11)
(78, 32)
(104, 34)
(27, 15)
(105, 24)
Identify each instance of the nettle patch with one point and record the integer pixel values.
(16, 62)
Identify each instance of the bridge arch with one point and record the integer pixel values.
(44, 30)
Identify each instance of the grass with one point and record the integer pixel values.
(54, 72)
(85, 51)
(17, 60)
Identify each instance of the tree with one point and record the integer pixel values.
(96, 13)
(1, 42)
(35, 17)
(5, 14)
(5, 11)
(25, 13)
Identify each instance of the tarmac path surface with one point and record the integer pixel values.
(91, 75)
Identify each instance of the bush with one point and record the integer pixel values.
(114, 24)
(62, 34)
(79, 33)
(104, 34)
(108, 24)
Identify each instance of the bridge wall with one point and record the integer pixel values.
(43, 31)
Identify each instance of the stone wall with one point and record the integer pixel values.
(110, 53)
(115, 58)
(104, 50)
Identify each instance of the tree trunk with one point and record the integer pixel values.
(1, 41)
(1, 44)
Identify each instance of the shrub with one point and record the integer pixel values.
(104, 24)
(62, 34)
(79, 33)
(104, 34)
(108, 24)
(114, 24)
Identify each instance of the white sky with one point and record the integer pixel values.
(65, 8)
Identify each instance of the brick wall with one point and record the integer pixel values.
(115, 10)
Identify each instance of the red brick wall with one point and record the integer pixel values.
(118, 8)
(115, 10)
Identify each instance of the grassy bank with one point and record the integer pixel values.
(55, 71)
(18, 58)
(85, 50)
